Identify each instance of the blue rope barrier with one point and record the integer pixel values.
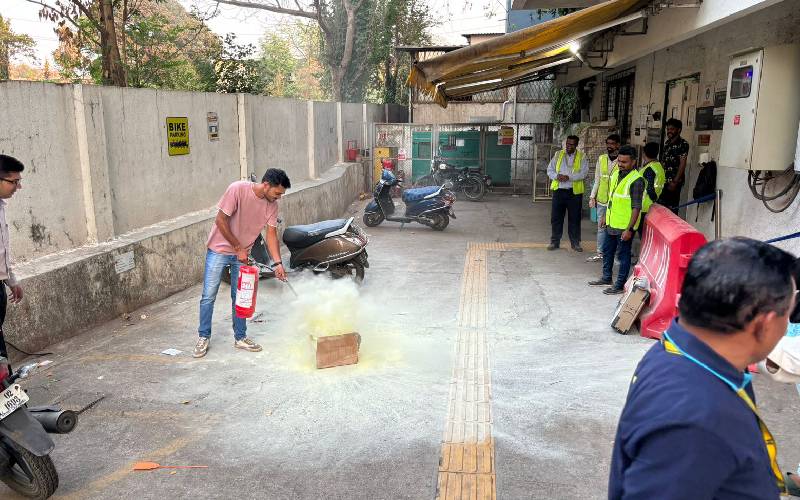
(783, 238)
(702, 199)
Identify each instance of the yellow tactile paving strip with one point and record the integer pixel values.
(466, 463)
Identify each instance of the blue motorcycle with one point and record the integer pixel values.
(431, 206)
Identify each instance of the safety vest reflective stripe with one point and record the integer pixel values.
(602, 190)
(660, 180)
(620, 209)
(577, 186)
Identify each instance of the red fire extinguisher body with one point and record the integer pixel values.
(246, 291)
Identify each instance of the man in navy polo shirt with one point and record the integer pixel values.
(689, 429)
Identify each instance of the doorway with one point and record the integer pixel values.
(680, 101)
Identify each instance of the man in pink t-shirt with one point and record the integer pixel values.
(244, 210)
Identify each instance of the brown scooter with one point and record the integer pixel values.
(335, 246)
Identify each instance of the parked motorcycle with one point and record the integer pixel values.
(464, 179)
(335, 246)
(431, 206)
(25, 447)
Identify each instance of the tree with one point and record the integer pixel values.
(12, 45)
(290, 62)
(99, 15)
(236, 69)
(406, 22)
(161, 46)
(348, 30)
(278, 66)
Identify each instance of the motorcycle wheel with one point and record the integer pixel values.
(29, 475)
(353, 268)
(474, 189)
(440, 221)
(373, 219)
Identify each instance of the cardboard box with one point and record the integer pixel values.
(338, 350)
(629, 307)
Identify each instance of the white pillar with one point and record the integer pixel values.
(339, 132)
(244, 170)
(312, 164)
(365, 127)
(85, 161)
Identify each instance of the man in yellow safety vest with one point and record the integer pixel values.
(567, 170)
(626, 191)
(606, 164)
(654, 177)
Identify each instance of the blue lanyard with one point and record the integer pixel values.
(748, 377)
(766, 435)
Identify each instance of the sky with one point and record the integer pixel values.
(455, 16)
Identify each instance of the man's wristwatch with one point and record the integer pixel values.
(279, 263)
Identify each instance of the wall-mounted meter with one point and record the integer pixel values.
(762, 110)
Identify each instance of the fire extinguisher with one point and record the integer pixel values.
(246, 291)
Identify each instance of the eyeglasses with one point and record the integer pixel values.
(11, 181)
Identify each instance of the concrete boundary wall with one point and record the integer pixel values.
(99, 164)
(72, 291)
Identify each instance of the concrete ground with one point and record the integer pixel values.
(269, 425)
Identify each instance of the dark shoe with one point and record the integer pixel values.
(577, 248)
(613, 291)
(600, 282)
(552, 246)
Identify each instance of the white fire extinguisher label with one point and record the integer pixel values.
(244, 295)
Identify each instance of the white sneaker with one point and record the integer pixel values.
(595, 258)
(247, 344)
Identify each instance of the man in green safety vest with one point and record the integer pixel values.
(626, 192)
(654, 177)
(567, 170)
(606, 164)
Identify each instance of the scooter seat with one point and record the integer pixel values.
(307, 235)
(416, 194)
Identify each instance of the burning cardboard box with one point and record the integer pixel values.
(338, 350)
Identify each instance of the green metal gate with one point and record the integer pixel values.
(413, 146)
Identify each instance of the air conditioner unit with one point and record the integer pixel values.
(762, 111)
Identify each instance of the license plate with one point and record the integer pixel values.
(11, 399)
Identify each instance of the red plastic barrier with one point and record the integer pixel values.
(667, 247)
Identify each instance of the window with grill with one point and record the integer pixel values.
(618, 101)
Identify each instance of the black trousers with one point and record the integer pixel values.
(671, 198)
(565, 202)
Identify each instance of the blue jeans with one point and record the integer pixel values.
(613, 243)
(215, 266)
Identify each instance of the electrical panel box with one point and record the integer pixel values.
(762, 110)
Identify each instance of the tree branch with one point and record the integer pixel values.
(323, 24)
(66, 15)
(349, 36)
(271, 8)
